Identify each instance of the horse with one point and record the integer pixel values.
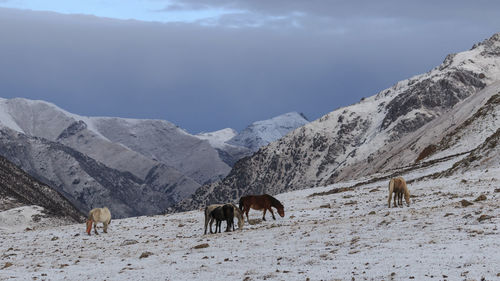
(98, 215)
(398, 186)
(237, 213)
(261, 202)
(225, 212)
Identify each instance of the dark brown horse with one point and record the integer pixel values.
(261, 202)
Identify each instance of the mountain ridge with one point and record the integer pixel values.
(347, 142)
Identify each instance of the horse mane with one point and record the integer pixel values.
(274, 202)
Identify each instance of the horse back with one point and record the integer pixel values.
(100, 215)
(399, 185)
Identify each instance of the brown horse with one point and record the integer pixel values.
(261, 202)
(398, 186)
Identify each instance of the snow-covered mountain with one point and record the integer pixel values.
(384, 132)
(152, 163)
(131, 145)
(233, 146)
(90, 159)
(261, 133)
(229, 153)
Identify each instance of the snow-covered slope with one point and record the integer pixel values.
(263, 132)
(19, 192)
(229, 153)
(328, 233)
(129, 145)
(218, 138)
(165, 142)
(88, 183)
(382, 132)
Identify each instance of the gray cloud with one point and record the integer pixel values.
(209, 77)
(367, 11)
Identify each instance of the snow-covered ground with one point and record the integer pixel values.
(350, 235)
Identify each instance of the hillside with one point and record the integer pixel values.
(24, 201)
(328, 233)
(381, 133)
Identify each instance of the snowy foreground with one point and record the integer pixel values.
(350, 235)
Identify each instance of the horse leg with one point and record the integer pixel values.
(211, 222)
(105, 227)
(264, 214)
(95, 228)
(271, 210)
(206, 223)
(390, 197)
(400, 199)
(246, 212)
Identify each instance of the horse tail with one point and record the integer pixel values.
(391, 189)
(241, 204)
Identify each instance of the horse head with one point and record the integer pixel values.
(281, 211)
(407, 198)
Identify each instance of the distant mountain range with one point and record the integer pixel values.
(133, 166)
(447, 117)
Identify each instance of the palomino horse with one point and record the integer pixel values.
(261, 202)
(237, 213)
(98, 215)
(219, 214)
(398, 186)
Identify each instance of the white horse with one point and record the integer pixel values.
(399, 188)
(98, 215)
(237, 213)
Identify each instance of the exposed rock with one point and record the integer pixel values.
(484, 217)
(128, 242)
(201, 246)
(145, 255)
(465, 203)
(481, 197)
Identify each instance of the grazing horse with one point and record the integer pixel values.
(237, 213)
(398, 186)
(226, 212)
(98, 215)
(261, 202)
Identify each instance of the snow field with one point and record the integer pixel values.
(340, 236)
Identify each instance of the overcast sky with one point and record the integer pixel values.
(208, 65)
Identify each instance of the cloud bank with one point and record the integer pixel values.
(258, 60)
